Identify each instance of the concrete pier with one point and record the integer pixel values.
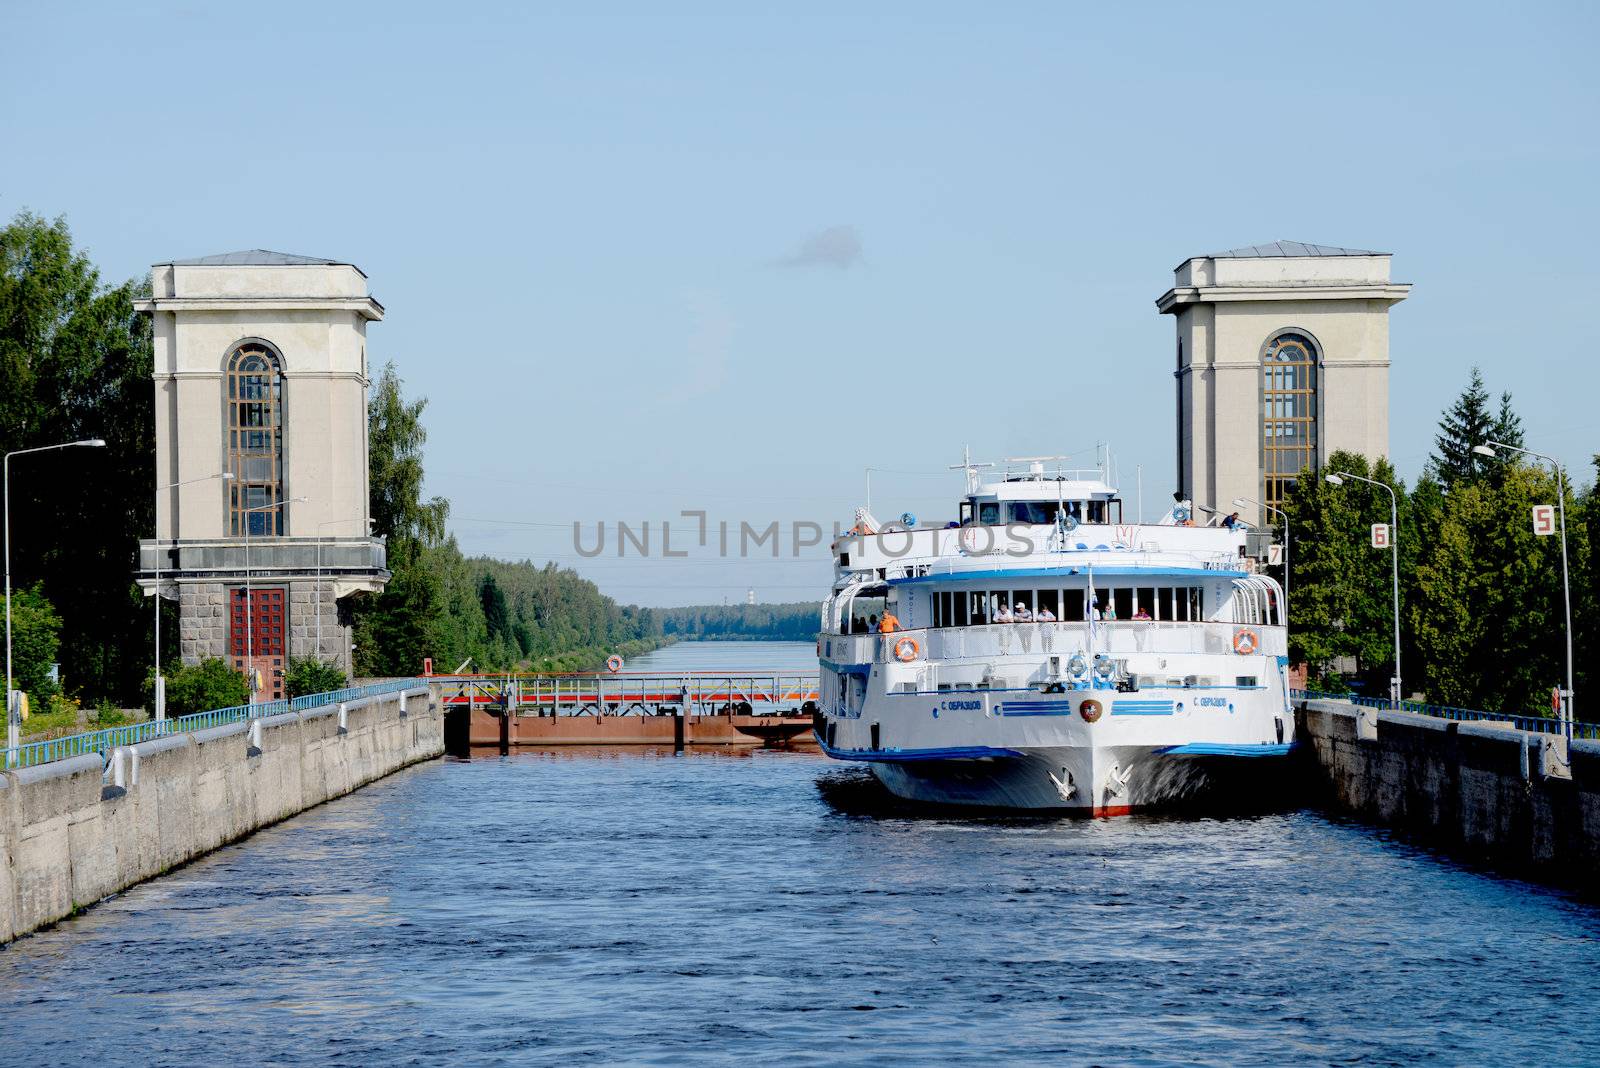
(76, 830)
(1484, 791)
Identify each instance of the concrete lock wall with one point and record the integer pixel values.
(1478, 789)
(74, 831)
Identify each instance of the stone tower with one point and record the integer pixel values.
(1282, 359)
(261, 376)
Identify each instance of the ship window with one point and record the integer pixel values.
(978, 602)
(960, 618)
(1196, 612)
(1035, 512)
(966, 513)
(1050, 601)
(1097, 511)
(1147, 602)
(989, 513)
(1072, 606)
(1122, 601)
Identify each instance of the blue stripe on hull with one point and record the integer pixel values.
(1260, 749)
(906, 756)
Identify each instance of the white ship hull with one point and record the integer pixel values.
(1022, 750)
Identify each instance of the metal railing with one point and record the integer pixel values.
(1532, 724)
(624, 693)
(103, 741)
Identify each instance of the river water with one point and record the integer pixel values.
(608, 906)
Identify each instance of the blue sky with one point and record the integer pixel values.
(727, 258)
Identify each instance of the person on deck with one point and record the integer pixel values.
(1044, 615)
(1002, 614)
(1021, 613)
(888, 624)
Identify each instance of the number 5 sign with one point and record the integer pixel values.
(1380, 535)
(1544, 519)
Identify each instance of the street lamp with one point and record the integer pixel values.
(1337, 479)
(1241, 502)
(1566, 596)
(13, 712)
(249, 601)
(161, 683)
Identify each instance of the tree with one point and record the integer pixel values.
(396, 629)
(75, 362)
(396, 437)
(1467, 424)
(1342, 587)
(494, 607)
(307, 675)
(1488, 618)
(35, 638)
(205, 686)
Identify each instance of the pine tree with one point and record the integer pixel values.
(1468, 423)
(1508, 425)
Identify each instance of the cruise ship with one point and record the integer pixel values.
(1046, 651)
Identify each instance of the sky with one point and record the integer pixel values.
(650, 259)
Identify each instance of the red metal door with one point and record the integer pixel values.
(268, 613)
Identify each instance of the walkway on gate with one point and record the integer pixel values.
(698, 693)
(104, 741)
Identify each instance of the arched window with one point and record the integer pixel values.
(1288, 413)
(255, 440)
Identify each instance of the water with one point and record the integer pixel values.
(787, 657)
(610, 906)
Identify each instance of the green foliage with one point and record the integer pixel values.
(395, 439)
(203, 687)
(107, 714)
(75, 363)
(794, 622)
(1482, 615)
(1467, 424)
(35, 638)
(306, 675)
(1341, 586)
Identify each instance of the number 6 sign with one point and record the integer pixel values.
(1380, 535)
(1544, 519)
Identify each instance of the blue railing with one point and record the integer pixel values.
(103, 741)
(1534, 724)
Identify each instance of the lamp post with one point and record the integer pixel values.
(249, 602)
(13, 712)
(1337, 479)
(1240, 502)
(161, 683)
(1566, 595)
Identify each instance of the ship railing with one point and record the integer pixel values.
(1550, 724)
(1114, 638)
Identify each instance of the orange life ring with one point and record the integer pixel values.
(906, 649)
(1245, 641)
(613, 663)
(1090, 710)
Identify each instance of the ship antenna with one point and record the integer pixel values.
(969, 467)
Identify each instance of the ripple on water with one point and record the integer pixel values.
(606, 906)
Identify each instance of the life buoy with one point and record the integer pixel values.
(613, 663)
(1245, 641)
(906, 649)
(1090, 710)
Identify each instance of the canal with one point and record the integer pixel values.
(608, 906)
